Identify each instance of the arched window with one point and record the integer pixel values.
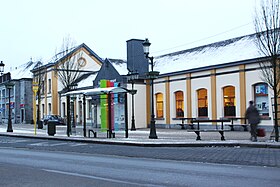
(261, 98)
(159, 105)
(202, 103)
(179, 104)
(229, 101)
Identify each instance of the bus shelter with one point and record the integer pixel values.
(107, 95)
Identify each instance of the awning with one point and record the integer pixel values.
(98, 91)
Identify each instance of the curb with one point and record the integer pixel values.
(151, 144)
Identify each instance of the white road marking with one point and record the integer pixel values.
(77, 144)
(98, 178)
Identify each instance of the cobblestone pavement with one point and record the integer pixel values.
(267, 157)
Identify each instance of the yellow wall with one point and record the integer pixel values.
(214, 94)
(54, 93)
(167, 99)
(243, 101)
(189, 96)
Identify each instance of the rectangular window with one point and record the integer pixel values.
(50, 85)
(50, 109)
(63, 110)
(43, 110)
(43, 88)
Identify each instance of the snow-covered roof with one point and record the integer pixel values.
(120, 65)
(23, 71)
(97, 91)
(87, 81)
(233, 50)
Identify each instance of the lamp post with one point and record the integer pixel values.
(70, 88)
(73, 100)
(9, 85)
(151, 75)
(132, 76)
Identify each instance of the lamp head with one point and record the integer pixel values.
(146, 46)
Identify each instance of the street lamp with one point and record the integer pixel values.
(151, 75)
(131, 77)
(2, 67)
(9, 85)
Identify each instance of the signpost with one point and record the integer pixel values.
(35, 90)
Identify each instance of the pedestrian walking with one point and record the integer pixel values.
(253, 116)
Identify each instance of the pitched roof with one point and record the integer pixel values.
(232, 50)
(73, 50)
(24, 70)
(120, 65)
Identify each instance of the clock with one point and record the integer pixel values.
(82, 62)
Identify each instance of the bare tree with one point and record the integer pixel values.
(39, 73)
(39, 78)
(268, 42)
(68, 71)
(67, 67)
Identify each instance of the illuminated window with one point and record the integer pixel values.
(159, 105)
(229, 101)
(261, 98)
(179, 103)
(202, 103)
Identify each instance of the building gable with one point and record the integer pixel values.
(107, 72)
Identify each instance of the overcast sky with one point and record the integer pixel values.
(36, 28)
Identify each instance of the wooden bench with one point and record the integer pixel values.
(182, 124)
(232, 125)
(221, 131)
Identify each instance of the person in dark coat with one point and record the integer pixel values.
(253, 116)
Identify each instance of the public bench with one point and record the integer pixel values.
(93, 132)
(221, 130)
(183, 124)
(232, 124)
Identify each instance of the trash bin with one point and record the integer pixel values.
(40, 124)
(51, 128)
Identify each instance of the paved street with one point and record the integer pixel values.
(174, 159)
(140, 137)
(58, 168)
(215, 154)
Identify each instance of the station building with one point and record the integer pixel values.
(211, 81)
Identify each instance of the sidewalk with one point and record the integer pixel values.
(140, 137)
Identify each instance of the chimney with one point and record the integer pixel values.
(136, 60)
